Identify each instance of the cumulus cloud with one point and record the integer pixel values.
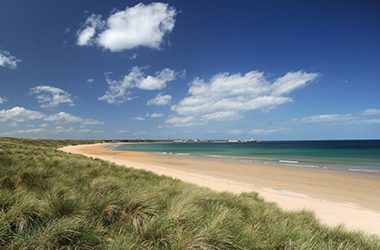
(69, 118)
(139, 118)
(268, 131)
(369, 121)
(72, 130)
(154, 115)
(370, 112)
(228, 96)
(50, 133)
(257, 132)
(182, 121)
(158, 81)
(291, 81)
(50, 97)
(29, 131)
(17, 115)
(160, 100)
(7, 60)
(328, 118)
(123, 131)
(360, 118)
(86, 34)
(140, 25)
(119, 90)
(2, 100)
(63, 117)
(86, 122)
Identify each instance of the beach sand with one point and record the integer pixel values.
(335, 198)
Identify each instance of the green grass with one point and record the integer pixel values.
(50, 199)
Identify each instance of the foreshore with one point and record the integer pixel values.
(335, 198)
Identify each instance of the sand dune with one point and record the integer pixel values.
(335, 198)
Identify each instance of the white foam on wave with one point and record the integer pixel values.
(287, 161)
(307, 166)
(166, 153)
(296, 164)
(246, 161)
(182, 154)
(216, 156)
(364, 170)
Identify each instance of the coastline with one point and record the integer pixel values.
(335, 198)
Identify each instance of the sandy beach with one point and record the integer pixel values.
(335, 198)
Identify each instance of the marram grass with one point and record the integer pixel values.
(54, 200)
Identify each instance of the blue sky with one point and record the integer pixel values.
(271, 70)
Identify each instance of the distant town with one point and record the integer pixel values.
(191, 141)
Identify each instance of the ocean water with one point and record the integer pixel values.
(353, 155)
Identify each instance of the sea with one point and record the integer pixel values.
(360, 156)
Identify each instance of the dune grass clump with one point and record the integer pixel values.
(54, 200)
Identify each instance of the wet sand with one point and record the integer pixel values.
(335, 197)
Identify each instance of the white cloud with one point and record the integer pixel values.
(85, 36)
(181, 121)
(87, 122)
(328, 118)
(49, 96)
(123, 131)
(139, 118)
(268, 131)
(90, 80)
(61, 129)
(158, 81)
(154, 115)
(27, 131)
(369, 121)
(227, 97)
(17, 115)
(258, 131)
(2, 100)
(7, 60)
(291, 81)
(69, 118)
(63, 117)
(119, 91)
(160, 100)
(370, 112)
(140, 25)
(72, 130)
(48, 133)
(360, 118)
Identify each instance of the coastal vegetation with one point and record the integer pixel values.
(54, 200)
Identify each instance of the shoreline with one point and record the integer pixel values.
(335, 198)
(285, 162)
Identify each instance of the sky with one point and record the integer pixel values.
(267, 70)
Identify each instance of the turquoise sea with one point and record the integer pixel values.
(353, 155)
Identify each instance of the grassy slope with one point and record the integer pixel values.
(50, 199)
